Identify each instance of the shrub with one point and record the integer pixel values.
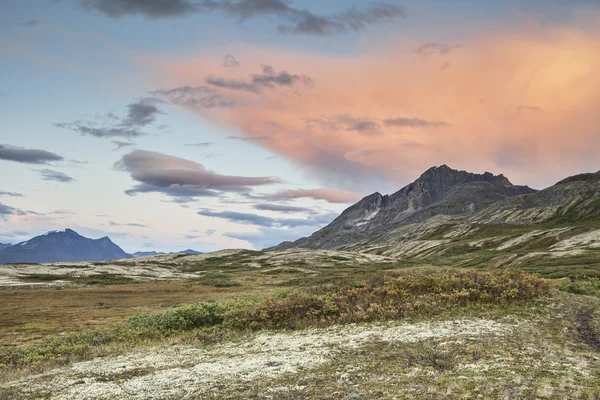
(589, 286)
(376, 297)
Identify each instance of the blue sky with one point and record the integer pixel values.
(282, 155)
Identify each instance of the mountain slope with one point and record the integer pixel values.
(555, 232)
(440, 190)
(4, 245)
(58, 246)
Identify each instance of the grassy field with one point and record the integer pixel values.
(301, 331)
(70, 298)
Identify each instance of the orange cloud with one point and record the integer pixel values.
(522, 103)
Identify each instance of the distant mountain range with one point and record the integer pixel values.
(65, 246)
(138, 254)
(445, 214)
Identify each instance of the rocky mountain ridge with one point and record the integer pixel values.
(439, 190)
(555, 231)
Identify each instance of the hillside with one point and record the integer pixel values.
(553, 231)
(65, 245)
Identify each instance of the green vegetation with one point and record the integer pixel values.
(377, 297)
(215, 279)
(96, 279)
(589, 286)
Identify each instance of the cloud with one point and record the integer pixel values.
(12, 194)
(181, 178)
(229, 61)
(231, 84)
(249, 139)
(305, 22)
(13, 234)
(87, 128)
(429, 49)
(369, 126)
(413, 122)
(139, 115)
(281, 208)
(261, 220)
(268, 79)
(558, 64)
(63, 212)
(191, 237)
(51, 175)
(210, 232)
(119, 144)
(147, 8)
(27, 156)
(201, 144)
(329, 195)
(346, 122)
(198, 97)
(267, 237)
(6, 211)
(365, 127)
(113, 223)
(529, 108)
(291, 20)
(31, 22)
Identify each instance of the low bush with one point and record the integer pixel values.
(589, 286)
(378, 297)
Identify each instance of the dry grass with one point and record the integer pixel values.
(30, 315)
(377, 297)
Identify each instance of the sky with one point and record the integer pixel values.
(211, 124)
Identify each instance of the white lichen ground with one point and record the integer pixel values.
(191, 372)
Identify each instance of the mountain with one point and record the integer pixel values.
(61, 246)
(146, 254)
(555, 231)
(156, 253)
(4, 245)
(439, 190)
(189, 251)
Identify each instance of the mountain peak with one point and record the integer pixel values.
(66, 230)
(439, 190)
(62, 245)
(450, 175)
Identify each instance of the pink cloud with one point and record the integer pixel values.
(477, 115)
(329, 195)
